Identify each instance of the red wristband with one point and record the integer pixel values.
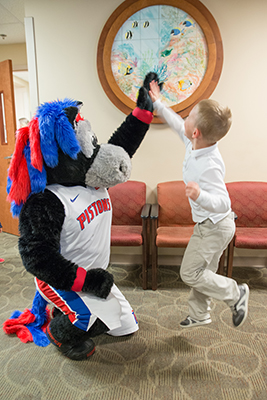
(143, 115)
(79, 280)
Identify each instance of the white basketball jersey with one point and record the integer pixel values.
(85, 236)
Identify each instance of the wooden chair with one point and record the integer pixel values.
(130, 219)
(171, 223)
(249, 202)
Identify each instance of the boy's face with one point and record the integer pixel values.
(190, 123)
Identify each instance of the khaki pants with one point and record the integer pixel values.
(200, 263)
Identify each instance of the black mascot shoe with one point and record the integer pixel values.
(79, 352)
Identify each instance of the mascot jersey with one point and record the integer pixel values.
(85, 240)
(85, 235)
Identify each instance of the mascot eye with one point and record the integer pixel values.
(94, 140)
(86, 137)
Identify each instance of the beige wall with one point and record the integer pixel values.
(67, 34)
(15, 52)
(67, 37)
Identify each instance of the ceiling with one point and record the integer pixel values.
(12, 21)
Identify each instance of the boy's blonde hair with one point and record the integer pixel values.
(213, 120)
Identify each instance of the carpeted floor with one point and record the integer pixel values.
(160, 362)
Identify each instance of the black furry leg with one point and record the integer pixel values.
(56, 312)
(64, 331)
(97, 329)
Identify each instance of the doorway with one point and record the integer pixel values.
(22, 97)
(7, 142)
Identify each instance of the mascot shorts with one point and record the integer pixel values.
(83, 309)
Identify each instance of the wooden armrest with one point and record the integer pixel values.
(145, 211)
(154, 211)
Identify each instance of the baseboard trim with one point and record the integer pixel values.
(176, 260)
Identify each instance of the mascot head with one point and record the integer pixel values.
(59, 146)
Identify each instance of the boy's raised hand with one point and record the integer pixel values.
(154, 91)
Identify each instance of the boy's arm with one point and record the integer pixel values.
(174, 120)
(215, 202)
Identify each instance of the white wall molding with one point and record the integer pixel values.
(258, 262)
(32, 64)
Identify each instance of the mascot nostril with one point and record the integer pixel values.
(57, 185)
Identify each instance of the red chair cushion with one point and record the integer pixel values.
(125, 235)
(174, 236)
(251, 238)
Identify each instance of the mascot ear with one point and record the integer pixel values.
(71, 113)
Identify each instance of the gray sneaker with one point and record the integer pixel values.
(189, 322)
(240, 309)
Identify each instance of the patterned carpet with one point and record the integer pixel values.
(160, 362)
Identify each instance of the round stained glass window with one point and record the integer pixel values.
(178, 40)
(165, 40)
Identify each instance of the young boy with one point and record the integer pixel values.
(203, 174)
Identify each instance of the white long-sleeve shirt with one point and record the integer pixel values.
(205, 167)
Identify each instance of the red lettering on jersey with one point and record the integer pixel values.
(87, 216)
(91, 212)
(99, 206)
(95, 208)
(104, 204)
(81, 219)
